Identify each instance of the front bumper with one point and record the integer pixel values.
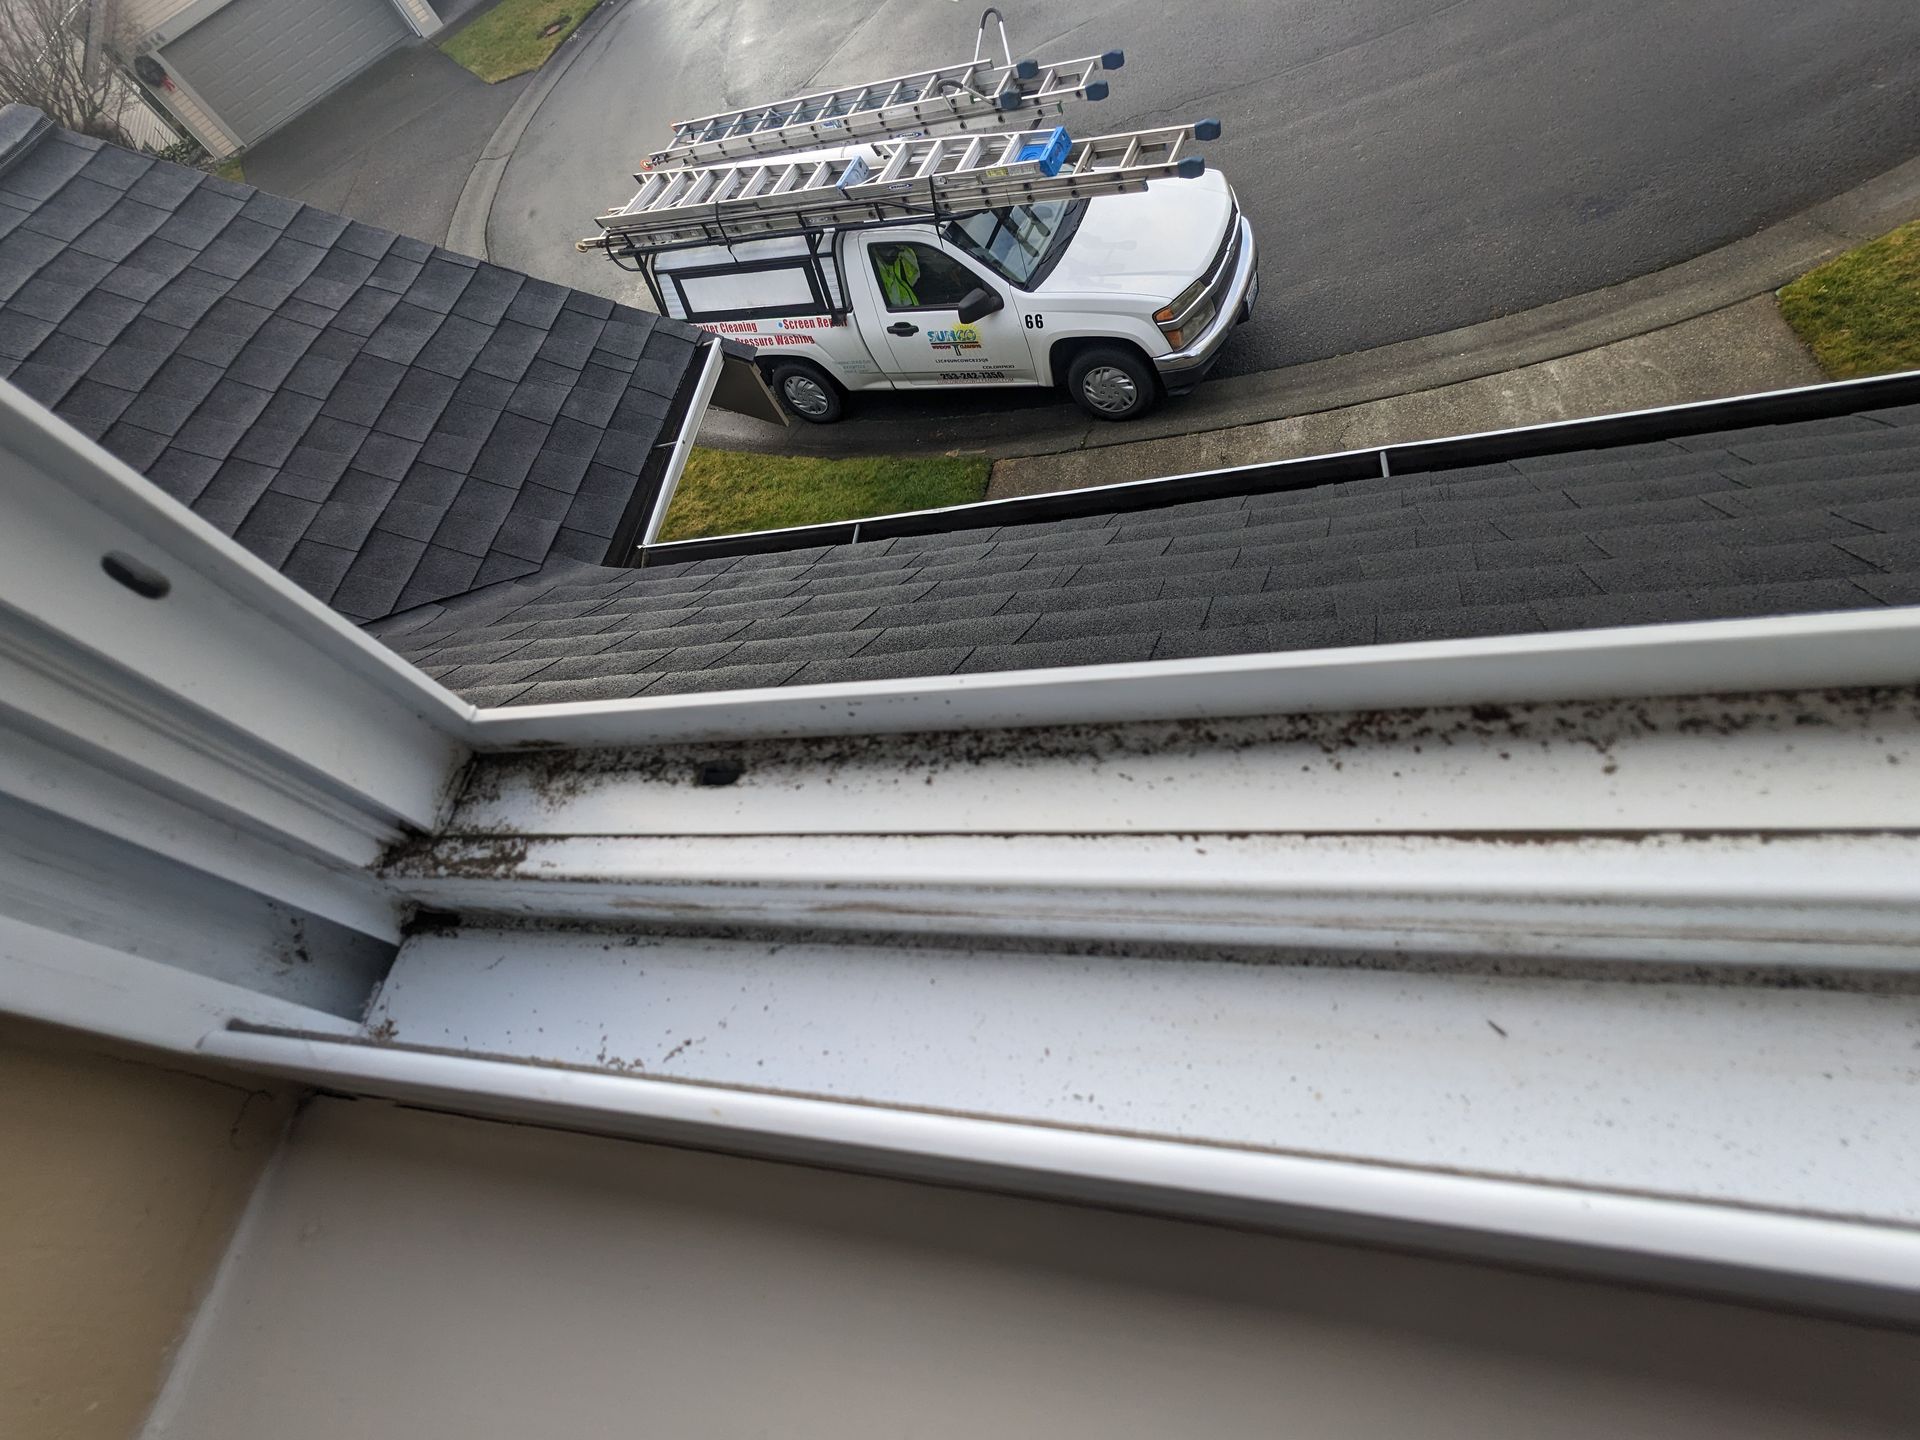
(1185, 367)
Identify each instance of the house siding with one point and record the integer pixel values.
(143, 124)
(486, 1282)
(122, 1181)
(200, 122)
(140, 18)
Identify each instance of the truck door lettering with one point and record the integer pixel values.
(961, 337)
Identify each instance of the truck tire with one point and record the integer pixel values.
(1112, 383)
(807, 392)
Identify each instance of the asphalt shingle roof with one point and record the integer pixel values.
(386, 422)
(1817, 516)
(442, 449)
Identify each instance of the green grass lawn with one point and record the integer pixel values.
(508, 39)
(1860, 314)
(723, 492)
(231, 170)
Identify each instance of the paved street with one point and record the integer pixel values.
(1412, 165)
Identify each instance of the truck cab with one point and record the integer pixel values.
(1117, 299)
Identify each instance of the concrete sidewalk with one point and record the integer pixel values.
(1732, 351)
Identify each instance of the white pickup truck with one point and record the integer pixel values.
(1118, 298)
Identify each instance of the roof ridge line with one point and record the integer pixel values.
(22, 128)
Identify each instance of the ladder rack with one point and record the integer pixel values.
(932, 178)
(978, 94)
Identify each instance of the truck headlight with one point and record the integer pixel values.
(1185, 314)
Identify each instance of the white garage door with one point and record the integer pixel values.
(259, 63)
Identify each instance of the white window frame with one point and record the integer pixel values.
(240, 727)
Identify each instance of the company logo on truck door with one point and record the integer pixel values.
(961, 337)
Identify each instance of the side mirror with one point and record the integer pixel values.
(978, 302)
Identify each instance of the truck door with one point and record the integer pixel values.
(915, 286)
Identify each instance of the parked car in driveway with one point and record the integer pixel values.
(1117, 299)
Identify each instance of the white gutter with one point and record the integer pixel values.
(1791, 1259)
(683, 445)
(1846, 650)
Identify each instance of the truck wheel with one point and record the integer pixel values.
(807, 392)
(1111, 383)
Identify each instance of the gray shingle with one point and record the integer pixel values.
(318, 567)
(1703, 602)
(1223, 640)
(1575, 520)
(697, 657)
(891, 666)
(373, 583)
(274, 525)
(1758, 565)
(1210, 584)
(937, 610)
(1513, 587)
(1331, 632)
(1266, 608)
(988, 630)
(1774, 529)
(1895, 550)
(622, 686)
(722, 677)
(1149, 617)
(139, 448)
(492, 695)
(810, 622)
(1089, 650)
(1467, 620)
(692, 629)
(1897, 589)
(1316, 572)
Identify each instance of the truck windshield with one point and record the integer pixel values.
(1022, 242)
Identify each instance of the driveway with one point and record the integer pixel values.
(393, 146)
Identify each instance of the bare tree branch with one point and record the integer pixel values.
(46, 61)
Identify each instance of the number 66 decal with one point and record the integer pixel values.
(1036, 322)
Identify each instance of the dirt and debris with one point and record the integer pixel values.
(549, 779)
(461, 857)
(677, 1051)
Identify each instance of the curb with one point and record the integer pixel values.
(467, 229)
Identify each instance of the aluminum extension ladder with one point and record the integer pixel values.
(901, 180)
(977, 94)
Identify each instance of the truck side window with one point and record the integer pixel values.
(918, 277)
